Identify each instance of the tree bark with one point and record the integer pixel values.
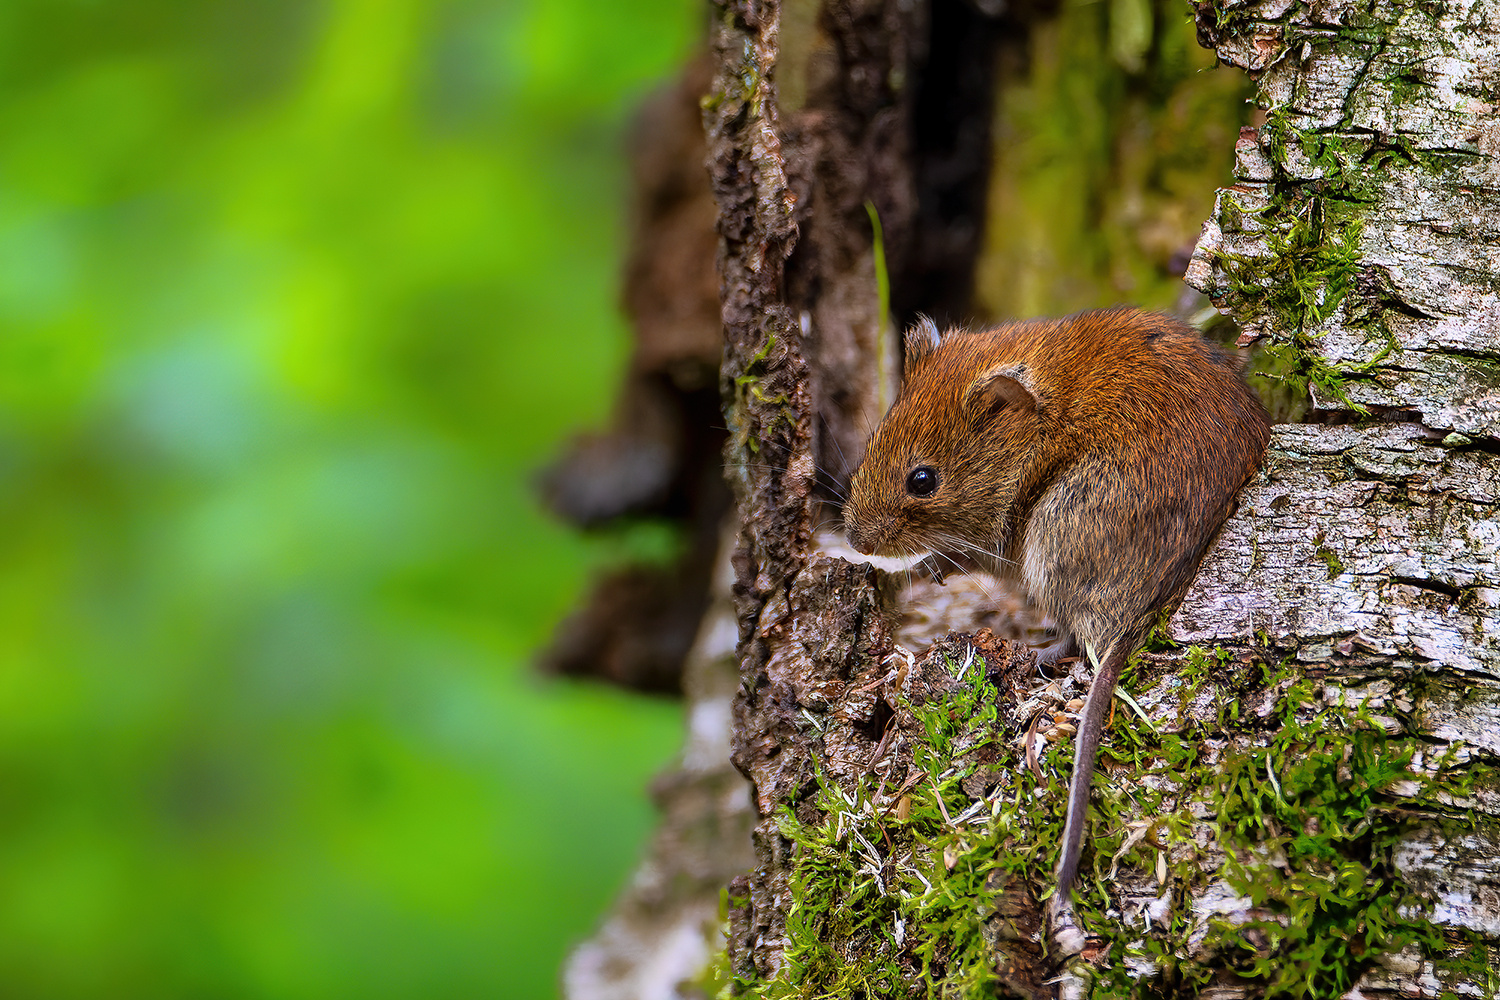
(1297, 798)
(808, 622)
(1359, 243)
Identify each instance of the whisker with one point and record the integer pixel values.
(945, 540)
(843, 459)
(958, 567)
(822, 478)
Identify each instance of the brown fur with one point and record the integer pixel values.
(1094, 458)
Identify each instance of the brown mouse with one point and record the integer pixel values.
(1091, 458)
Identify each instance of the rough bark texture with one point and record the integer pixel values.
(806, 622)
(1363, 235)
(1380, 537)
(1361, 241)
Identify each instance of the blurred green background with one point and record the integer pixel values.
(294, 296)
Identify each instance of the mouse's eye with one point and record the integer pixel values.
(923, 481)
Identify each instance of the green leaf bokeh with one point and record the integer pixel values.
(294, 296)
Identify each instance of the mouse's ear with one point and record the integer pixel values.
(1005, 386)
(922, 338)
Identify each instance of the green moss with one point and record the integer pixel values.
(1309, 269)
(1313, 260)
(1468, 960)
(1311, 222)
(1199, 666)
(908, 898)
(899, 898)
(1308, 825)
(1329, 557)
(1404, 85)
(1159, 639)
(1230, 16)
(1195, 667)
(1331, 560)
(1309, 830)
(1311, 230)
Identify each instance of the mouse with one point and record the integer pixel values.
(1091, 459)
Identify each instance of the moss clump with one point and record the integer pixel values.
(1231, 18)
(1469, 960)
(901, 892)
(1195, 667)
(1159, 639)
(925, 889)
(1199, 666)
(1311, 229)
(1314, 251)
(747, 387)
(1329, 557)
(1311, 266)
(1309, 822)
(1309, 826)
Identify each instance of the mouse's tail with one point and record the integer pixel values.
(1085, 753)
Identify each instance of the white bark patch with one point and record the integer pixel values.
(1382, 537)
(1460, 874)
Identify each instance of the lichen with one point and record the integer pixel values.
(1328, 557)
(747, 386)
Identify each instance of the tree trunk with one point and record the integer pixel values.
(1295, 800)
